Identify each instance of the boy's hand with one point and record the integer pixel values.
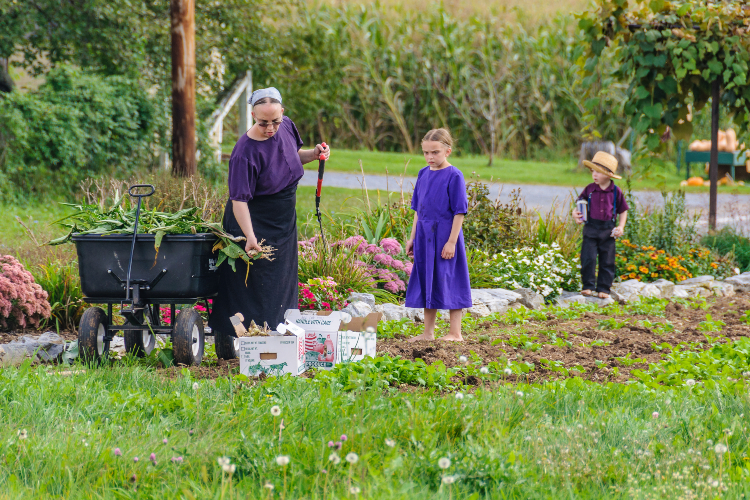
(409, 247)
(449, 250)
(578, 216)
(618, 231)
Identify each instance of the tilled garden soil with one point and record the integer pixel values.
(597, 360)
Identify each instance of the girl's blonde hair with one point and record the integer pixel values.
(440, 135)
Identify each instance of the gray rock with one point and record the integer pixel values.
(628, 291)
(691, 291)
(500, 294)
(478, 311)
(444, 314)
(530, 298)
(46, 347)
(392, 312)
(367, 298)
(666, 288)
(358, 309)
(741, 282)
(679, 292)
(415, 313)
(567, 298)
(702, 280)
(600, 302)
(723, 289)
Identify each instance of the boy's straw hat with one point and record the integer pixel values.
(604, 163)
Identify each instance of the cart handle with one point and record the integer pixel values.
(137, 195)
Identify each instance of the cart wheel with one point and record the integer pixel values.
(91, 334)
(139, 342)
(227, 347)
(187, 339)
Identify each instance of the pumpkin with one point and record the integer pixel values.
(695, 181)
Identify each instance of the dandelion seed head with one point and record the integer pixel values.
(690, 382)
(390, 442)
(352, 458)
(519, 394)
(449, 479)
(268, 486)
(444, 463)
(484, 370)
(507, 371)
(334, 458)
(354, 490)
(195, 386)
(22, 434)
(459, 395)
(720, 448)
(282, 460)
(275, 410)
(463, 359)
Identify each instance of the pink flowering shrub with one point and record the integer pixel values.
(23, 303)
(321, 294)
(166, 315)
(387, 264)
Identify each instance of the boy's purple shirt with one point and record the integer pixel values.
(601, 201)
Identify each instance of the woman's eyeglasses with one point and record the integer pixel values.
(273, 124)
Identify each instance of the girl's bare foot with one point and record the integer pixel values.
(452, 338)
(424, 336)
(587, 293)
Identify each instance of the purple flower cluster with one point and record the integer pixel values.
(23, 303)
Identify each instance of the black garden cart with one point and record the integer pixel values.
(127, 270)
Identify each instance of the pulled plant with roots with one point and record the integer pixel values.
(23, 303)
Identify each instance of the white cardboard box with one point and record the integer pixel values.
(328, 342)
(273, 355)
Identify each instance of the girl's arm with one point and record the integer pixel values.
(449, 250)
(620, 229)
(242, 214)
(410, 243)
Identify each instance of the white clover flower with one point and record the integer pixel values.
(720, 448)
(275, 410)
(334, 458)
(459, 395)
(449, 479)
(444, 463)
(484, 370)
(352, 458)
(282, 460)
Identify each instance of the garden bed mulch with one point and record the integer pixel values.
(632, 339)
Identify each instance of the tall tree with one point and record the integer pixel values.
(676, 55)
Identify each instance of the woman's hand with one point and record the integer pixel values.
(324, 150)
(409, 247)
(449, 250)
(252, 245)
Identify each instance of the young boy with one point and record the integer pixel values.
(606, 203)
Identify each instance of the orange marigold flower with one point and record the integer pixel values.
(661, 251)
(632, 275)
(654, 256)
(644, 270)
(654, 275)
(714, 265)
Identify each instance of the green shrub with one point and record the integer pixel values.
(491, 226)
(76, 125)
(729, 241)
(63, 286)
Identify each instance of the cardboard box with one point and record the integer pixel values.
(355, 342)
(328, 342)
(281, 352)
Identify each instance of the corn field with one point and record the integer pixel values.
(379, 77)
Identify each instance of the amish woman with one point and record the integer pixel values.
(264, 169)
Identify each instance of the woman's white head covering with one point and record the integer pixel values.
(259, 94)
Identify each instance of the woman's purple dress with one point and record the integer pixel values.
(435, 282)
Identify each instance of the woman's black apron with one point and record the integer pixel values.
(272, 286)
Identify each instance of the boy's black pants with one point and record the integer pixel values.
(597, 242)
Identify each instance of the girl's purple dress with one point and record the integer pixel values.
(437, 283)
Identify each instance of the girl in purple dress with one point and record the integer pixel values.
(440, 277)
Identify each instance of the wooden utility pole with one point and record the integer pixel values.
(183, 87)
(713, 166)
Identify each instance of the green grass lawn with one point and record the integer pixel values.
(78, 436)
(557, 173)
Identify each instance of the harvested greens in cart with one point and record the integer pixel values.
(143, 259)
(90, 219)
